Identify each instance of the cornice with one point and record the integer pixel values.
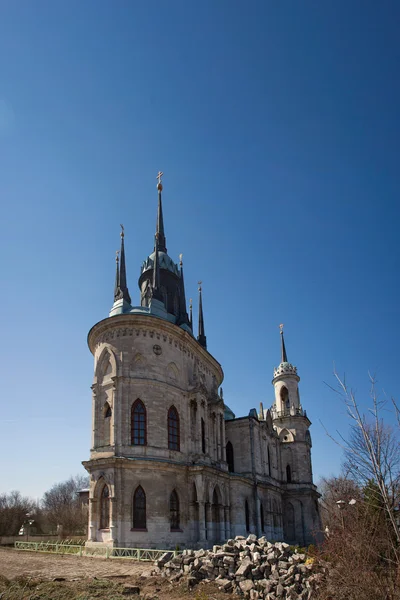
(130, 325)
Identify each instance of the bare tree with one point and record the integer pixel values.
(13, 512)
(62, 508)
(372, 451)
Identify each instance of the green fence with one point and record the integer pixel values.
(145, 554)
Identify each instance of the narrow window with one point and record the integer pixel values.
(229, 457)
(173, 429)
(138, 424)
(285, 399)
(262, 516)
(139, 508)
(288, 474)
(105, 508)
(203, 437)
(247, 514)
(269, 461)
(107, 412)
(174, 511)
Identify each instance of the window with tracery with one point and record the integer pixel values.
(138, 424)
(174, 511)
(139, 508)
(173, 429)
(105, 508)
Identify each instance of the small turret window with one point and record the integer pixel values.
(288, 474)
(285, 398)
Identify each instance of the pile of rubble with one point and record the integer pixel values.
(250, 567)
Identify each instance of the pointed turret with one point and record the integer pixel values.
(191, 314)
(201, 338)
(155, 289)
(116, 287)
(183, 316)
(283, 349)
(160, 219)
(121, 288)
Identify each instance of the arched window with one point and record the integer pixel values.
(247, 515)
(139, 508)
(105, 508)
(288, 474)
(138, 424)
(174, 511)
(173, 429)
(262, 516)
(229, 457)
(203, 436)
(285, 398)
(269, 461)
(107, 412)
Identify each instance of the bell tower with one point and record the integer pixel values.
(291, 422)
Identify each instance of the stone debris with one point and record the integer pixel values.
(250, 567)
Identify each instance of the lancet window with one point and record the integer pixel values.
(173, 429)
(139, 424)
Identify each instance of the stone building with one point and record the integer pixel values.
(170, 464)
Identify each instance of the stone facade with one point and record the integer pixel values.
(170, 465)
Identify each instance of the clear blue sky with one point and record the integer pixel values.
(277, 127)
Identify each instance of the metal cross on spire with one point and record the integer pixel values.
(159, 175)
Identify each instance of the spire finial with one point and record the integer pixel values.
(180, 260)
(121, 286)
(201, 338)
(283, 349)
(160, 236)
(191, 314)
(159, 184)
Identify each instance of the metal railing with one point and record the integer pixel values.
(141, 554)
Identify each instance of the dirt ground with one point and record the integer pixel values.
(30, 576)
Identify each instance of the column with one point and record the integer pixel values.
(208, 512)
(202, 523)
(113, 509)
(227, 522)
(223, 441)
(221, 532)
(92, 520)
(94, 415)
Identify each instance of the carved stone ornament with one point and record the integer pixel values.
(157, 349)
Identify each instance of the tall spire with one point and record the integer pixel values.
(116, 287)
(160, 220)
(191, 314)
(122, 270)
(283, 349)
(156, 291)
(201, 338)
(121, 288)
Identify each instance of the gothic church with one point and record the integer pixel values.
(170, 464)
